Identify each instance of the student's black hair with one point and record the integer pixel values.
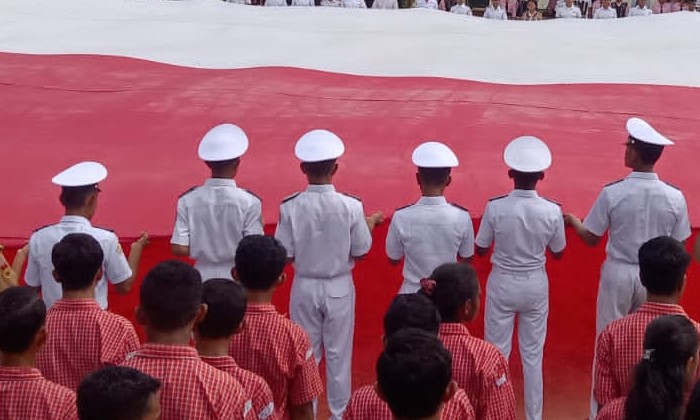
(220, 165)
(226, 304)
(526, 179)
(171, 294)
(77, 258)
(260, 261)
(74, 197)
(22, 314)
(658, 385)
(662, 265)
(455, 284)
(115, 393)
(413, 373)
(411, 311)
(319, 169)
(649, 154)
(692, 410)
(434, 177)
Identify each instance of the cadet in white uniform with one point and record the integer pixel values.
(354, 4)
(461, 9)
(432, 231)
(324, 232)
(495, 11)
(632, 211)
(640, 9)
(426, 4)
(272, 3)
(79, 198)
(213, 218)
(568, 11)
(385, 4)
(522, 225)
(605, 12)
(309, 3)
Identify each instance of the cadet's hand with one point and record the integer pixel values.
(571, 220)
(374, 219)
(142, 241)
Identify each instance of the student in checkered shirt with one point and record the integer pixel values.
(226, 303)
(663, 376)
(24, 393)
(76, 324)
(663, 262)
(413, 311)
(478, 367)
(271, 345)
(171, 303)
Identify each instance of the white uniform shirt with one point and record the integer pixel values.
(331, 3)
(498, 14)
(308, 3)
(461, 9)
(323, 231)
(275, 2)
(426, 4)
(522, 225)
(639, 11)
(636, 209)
(212, 220)
(40, 268)
(385, 4)
(602, 13)
(573, 12)
(429, 233)
(354, 4)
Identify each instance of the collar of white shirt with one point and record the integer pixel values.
(220, 182)
(75, 219)
(432, 201)
(320, 188)
(523, 193)
(643, 175)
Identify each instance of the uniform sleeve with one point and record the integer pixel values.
(263, 403)
(181, 231)
(283, 232)
(498, 397)
(253, 220)
(306, 385)
(360, 235)
(681, 231)
(69, 409)
(117, 346)
(349, 413)
(598, 219)
(117, 267)
(605, 388)
(466, 247)
(33, 274)
(484, 237)
(394, 246)
(557, 242)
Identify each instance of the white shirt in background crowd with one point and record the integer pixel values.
(495, 11)
(275, 2)
(461, 9)
(354, 4)
(640, 9)
(569, 11)
(331, 3)
(426, 4)
(385, 4)
(605, 13)
(308, 3)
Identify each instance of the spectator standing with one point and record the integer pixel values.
(495, 11)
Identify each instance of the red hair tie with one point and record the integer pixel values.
(428, 286)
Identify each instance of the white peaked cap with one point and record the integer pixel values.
(81, 174)
(644, 132)
(223, 142)
(433, 154)
(319, 145)
(527, 154)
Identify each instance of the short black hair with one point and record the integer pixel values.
(318, 169)
(692, 411)
(662, 265)
(434, 177)
(648, 153)
(455, 284)
(526, 178)
(221, 165)
(22, 314)
(74, 197)
(171, 294)
(77, 257)
(411, 311)
(413, 372)
(260, 261)
(115, 393)
(226, 304)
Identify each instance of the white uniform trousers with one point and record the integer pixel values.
(325, 309)
(526, 294)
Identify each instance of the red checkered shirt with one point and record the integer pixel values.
(25, 394)
(482, 371)
(278, 350)
(615, 410)
(620, 347)
(254, 385)
(191, 389)
(365, 404)
(81, 339)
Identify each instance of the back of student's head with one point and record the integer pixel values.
(226, 304)
(659, 381)
(170, 295)
(76, 259)
(22, 314)
(319, 169)
(434, 177)
(648, 154)
(116, 393)
(662, 265)
(260, 261)
(74, 198)
(413, 373)
(411, 311)
(450, 286)
(692, 410)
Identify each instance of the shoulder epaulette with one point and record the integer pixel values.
(403, 207)
(104, 228)
(351, 196)
(189, 191)
(43, 227)
(498, 198)
(459, 207)
(615, 182)
(291, 197)
(552, 201)
(253, 194)
(671, 185)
